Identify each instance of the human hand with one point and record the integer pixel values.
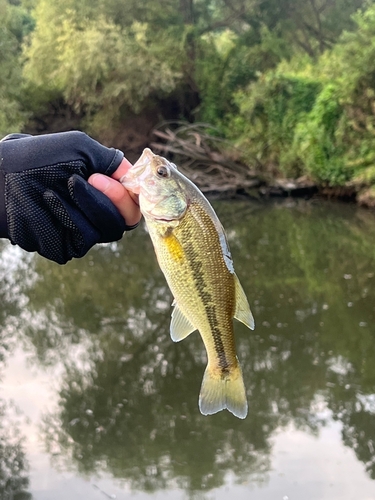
(125, 201)
(46, 202)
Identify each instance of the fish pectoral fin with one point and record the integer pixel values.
(181, 327)
(242, 312)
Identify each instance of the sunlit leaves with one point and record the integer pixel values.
(97, 65)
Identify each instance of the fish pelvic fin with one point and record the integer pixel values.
(242, 311)
(222, 391)
(181, 327)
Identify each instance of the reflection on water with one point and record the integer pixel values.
(125, 395)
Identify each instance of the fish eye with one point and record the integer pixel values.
(162, 171)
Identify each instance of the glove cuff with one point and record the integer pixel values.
(130, 228)
(3, 214)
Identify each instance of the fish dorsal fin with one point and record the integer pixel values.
(242, 312)
(180, 325)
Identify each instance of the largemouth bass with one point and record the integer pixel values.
(193, 253)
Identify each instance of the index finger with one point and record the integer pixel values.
(122, 169)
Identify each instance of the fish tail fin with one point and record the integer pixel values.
(222, 391)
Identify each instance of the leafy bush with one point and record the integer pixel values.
(15, 22)
(98, 67)
(316, 116)
(318, 142)
(270, 110)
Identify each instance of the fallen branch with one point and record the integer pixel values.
(209, 161)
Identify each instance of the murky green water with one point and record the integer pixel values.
(97, 402)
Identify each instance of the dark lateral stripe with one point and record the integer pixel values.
(206, 297)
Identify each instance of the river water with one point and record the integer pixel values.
(97, 402)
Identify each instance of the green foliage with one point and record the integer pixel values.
(103, 59)
(316, 116)
(338, 136)
(225, 64)
(292, 82)
(270, 109)
(210, 69)
(14, 25)
(309, 27)
(97, 66)
(317, 139)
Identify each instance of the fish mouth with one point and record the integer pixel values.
(166, 219)
(163, 217)
(136, 175)
(131, 181)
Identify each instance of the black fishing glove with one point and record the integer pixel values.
(46, 203)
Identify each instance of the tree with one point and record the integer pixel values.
(16, 23)
(100, 68)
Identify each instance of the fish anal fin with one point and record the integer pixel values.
(181, 327)
(242, 311)
(220, 392)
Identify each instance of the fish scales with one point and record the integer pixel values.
(202, 282)
(193, 253)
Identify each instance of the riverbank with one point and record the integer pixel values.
(293, 188)
(212, 163)
(220, 170)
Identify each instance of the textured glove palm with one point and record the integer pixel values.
(48, 205)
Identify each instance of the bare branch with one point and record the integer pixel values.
(211, 162)
(319, 23)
